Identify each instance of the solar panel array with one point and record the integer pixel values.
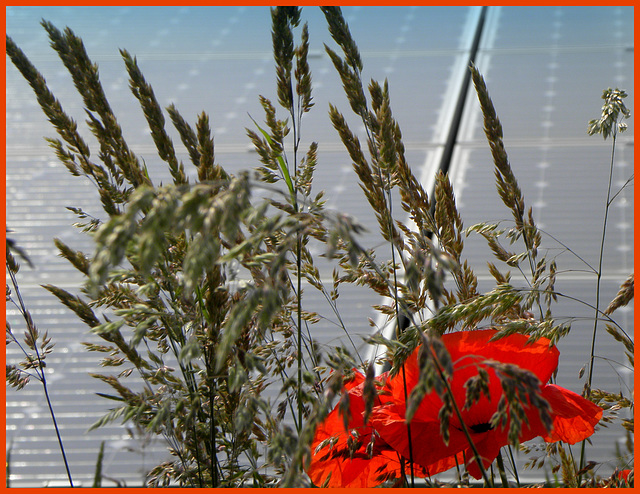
(545, 68)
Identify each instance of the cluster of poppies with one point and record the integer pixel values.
(366, 454)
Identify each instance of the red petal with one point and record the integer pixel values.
(468, 349)
(574, 417)
(357, 379)
(623, 476)
(488, 446)
(427, 444)
(536, 357)
(357, 470)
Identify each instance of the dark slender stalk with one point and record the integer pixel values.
(389, 205)
(8, 467)
(296, 142)
(209, 358)
(197, 452)
(395, 297)
(404, 382)
(55, 425)
(299, 324)
(598, 280)
(214, 466)
(501, 470)
(599, 272)
(40, 371)
(465, 430)
(513, 463)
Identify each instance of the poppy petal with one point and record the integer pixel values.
(574, 417)
(468, 350)
(344, 462)
(338, 468)
(488, 446)
(537, 357)
(427, 447)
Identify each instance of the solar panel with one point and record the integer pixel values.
(545, 68)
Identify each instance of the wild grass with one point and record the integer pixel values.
(196, 286)
(35, 346)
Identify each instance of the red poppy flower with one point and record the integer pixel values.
(573, 417)
(347, 459)
(623, 477)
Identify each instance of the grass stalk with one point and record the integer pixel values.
(97, 476)
(465, 429)
(55, 425)
(39, 370)
(396, 303)
(599, 270)
(404, 382)
(212, 435)
(609, 124)
(513, 464)
(596, 319)
(501, 470)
